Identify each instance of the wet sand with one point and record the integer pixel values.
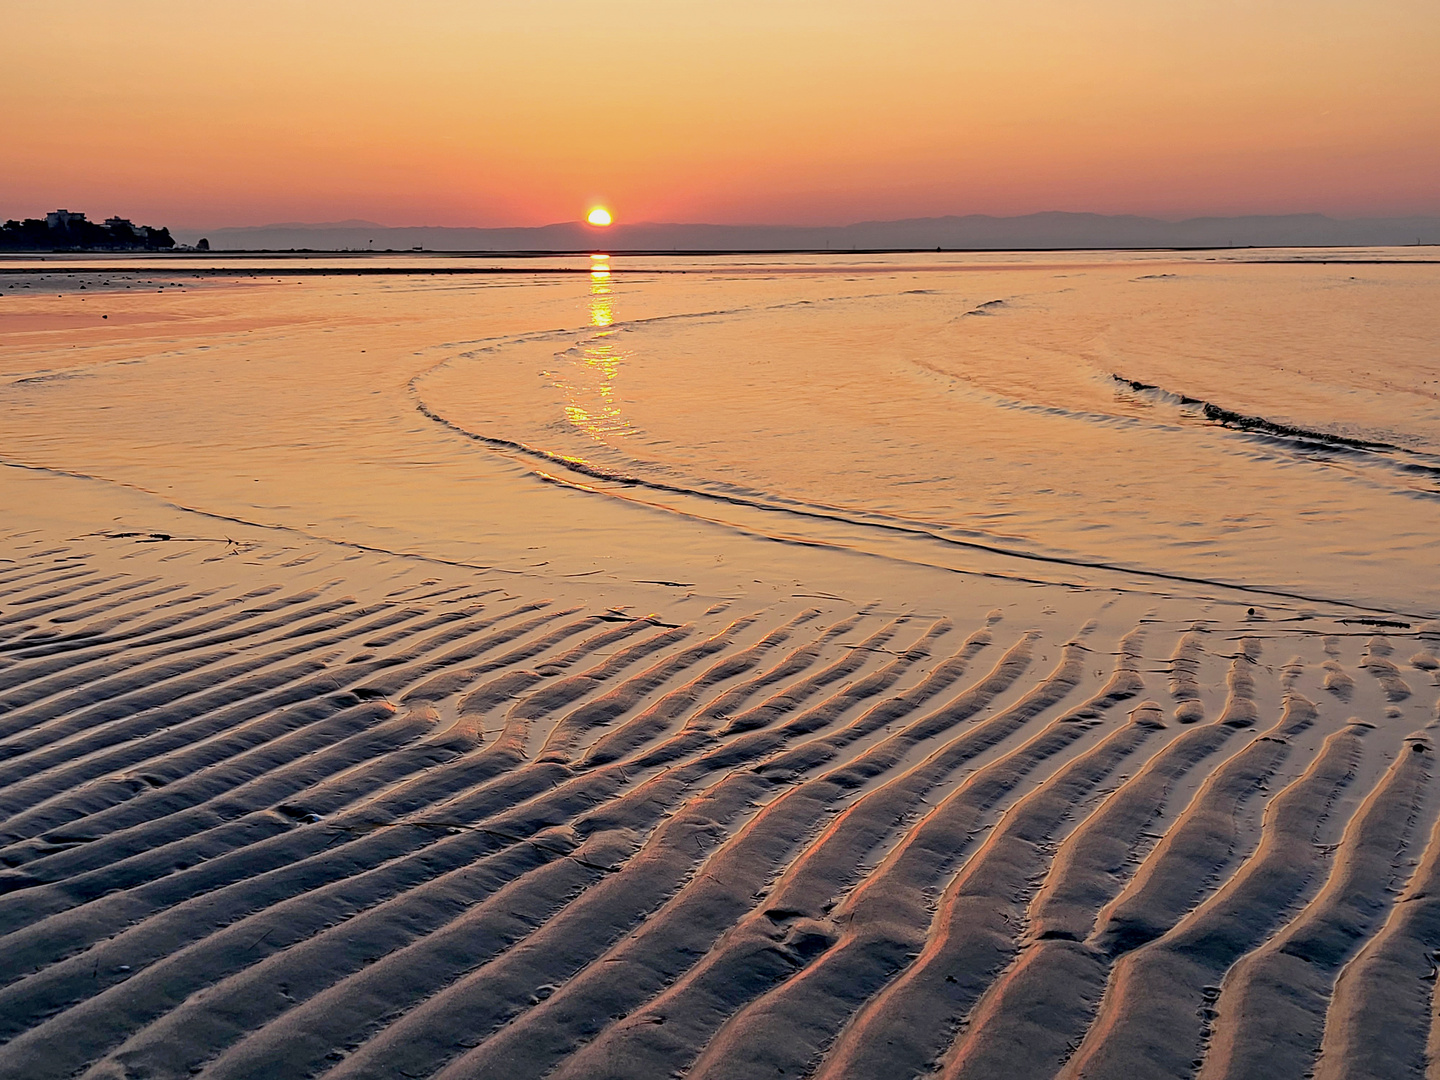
(343, 734)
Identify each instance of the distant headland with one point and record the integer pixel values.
(68, 230)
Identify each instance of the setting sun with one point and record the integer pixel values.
(599, 216)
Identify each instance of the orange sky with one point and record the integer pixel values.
(523, 112)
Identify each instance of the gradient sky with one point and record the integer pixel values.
(524, 112)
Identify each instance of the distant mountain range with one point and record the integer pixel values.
(976, 232)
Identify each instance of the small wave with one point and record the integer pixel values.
(1240, 421)
(51, 377)
(1401, 458)
(986, 308)
(770, 503)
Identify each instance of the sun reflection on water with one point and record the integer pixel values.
(601, 313)
(591, 401)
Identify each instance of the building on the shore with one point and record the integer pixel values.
(70, 230)
(120, 225)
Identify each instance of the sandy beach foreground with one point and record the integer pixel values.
(350, 728)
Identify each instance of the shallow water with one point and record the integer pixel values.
(1176, 420)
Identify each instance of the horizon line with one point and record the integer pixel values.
(361, 223)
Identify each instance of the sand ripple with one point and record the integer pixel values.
(264, 821)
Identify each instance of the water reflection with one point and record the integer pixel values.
(588, 380)
(600, 310)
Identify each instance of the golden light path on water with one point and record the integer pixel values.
(591, 402)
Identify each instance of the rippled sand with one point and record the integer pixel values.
(865, 667)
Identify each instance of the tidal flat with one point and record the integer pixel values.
(835, 665)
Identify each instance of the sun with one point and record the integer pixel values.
(599, 217)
